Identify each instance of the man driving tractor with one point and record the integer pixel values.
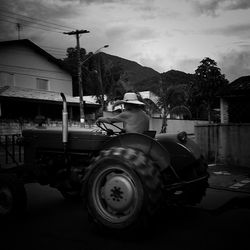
(134, 118)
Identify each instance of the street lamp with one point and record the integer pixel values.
(82, 116)
(96, 52)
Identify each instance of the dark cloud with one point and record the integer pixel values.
(144, 33)
(239, 30)
(235, 64)
(188, 65)
(14, 11)
(211, 7)
(59, 12)
(208, 7)
(103, 1)
(117, 32)
(240, 4)
(40, 9)
(121, 32)
(146, 12)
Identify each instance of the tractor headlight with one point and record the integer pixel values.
(182, 136)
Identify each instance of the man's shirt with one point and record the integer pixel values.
(134, 121)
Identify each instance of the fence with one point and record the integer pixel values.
(11, 150)
(225, 143)
(175, 126)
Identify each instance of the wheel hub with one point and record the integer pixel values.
(118, 192)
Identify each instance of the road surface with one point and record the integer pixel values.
(53, 223)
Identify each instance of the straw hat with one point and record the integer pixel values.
(131, 98)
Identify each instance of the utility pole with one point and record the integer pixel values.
(79, 72)
(18, 26)
(101, 83)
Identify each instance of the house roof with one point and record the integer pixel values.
(242, 83)
(238, 87)
(35, 47)
(34, 95)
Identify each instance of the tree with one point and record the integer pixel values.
(108, 80)
(196, 103)
(209, 81)
(100, 77)
(71, 63)
(171, 96)
(151, 107)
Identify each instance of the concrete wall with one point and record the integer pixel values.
(26, 66)
(225, 143)
(173, 126)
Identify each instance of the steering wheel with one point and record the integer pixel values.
(102, 126)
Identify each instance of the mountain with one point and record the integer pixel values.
(134, 71)
(171, 77)
(142, 78)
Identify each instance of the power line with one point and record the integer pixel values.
(7, 21)
(36, 19)
(36, 27)
(32, 22)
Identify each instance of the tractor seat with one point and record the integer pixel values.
(150, 133)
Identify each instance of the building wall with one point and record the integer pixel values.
(24, 66)
(149, 95)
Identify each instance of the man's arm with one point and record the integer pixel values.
(118, 118)
(106, 120)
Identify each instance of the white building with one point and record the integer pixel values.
(31, 81)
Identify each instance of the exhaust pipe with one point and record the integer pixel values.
(64, 120)
(65, 134)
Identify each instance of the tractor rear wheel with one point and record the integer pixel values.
(124, 188)
(13, 199)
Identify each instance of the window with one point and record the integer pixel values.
(6, 79)
(42, 84)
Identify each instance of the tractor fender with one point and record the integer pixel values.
(183, 153)
(144, 143)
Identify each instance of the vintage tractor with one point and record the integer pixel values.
(123, 178)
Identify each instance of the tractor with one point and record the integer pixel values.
(122, 178)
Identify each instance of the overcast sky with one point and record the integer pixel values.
(161, 34)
